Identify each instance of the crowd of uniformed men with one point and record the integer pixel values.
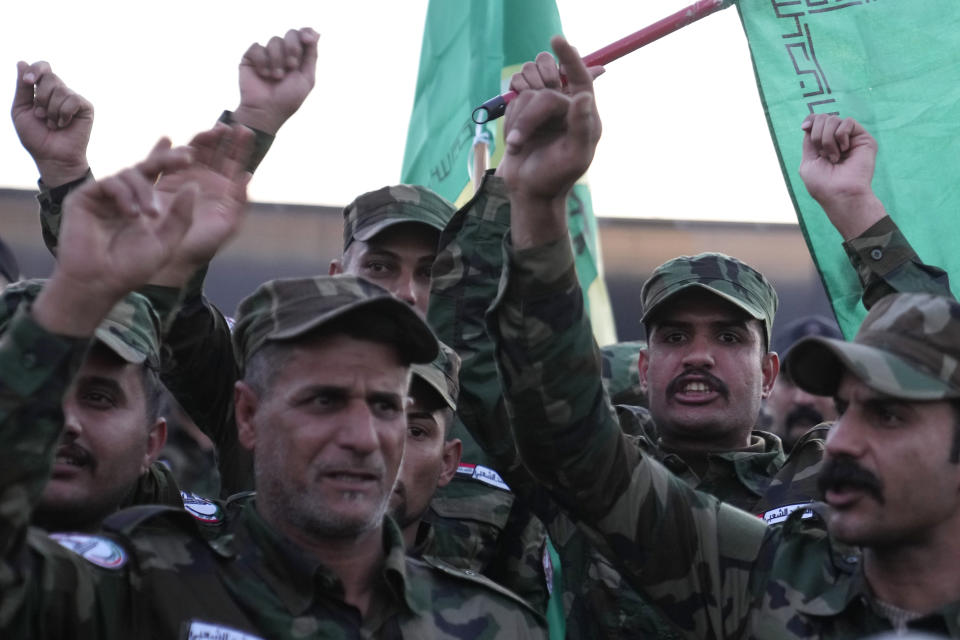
(438, 447)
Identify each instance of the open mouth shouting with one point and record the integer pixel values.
(697, 387)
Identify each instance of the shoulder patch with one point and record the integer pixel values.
(200, 630)
(97, 550)
(202, 509)
(483, 474)
(780, 514)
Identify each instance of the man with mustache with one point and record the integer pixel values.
(712, 570)
(54, 124)
(790, 410)
(321, 403)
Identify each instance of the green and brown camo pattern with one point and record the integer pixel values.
(727, 277)
(711, 570)
(374, 211)
(164, 574)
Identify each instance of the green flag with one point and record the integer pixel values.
(470, 50)
(895, 67)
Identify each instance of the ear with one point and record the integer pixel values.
(643, 363)
(452, 449)
(770, 366)
(156, 438)
(336, 267)
(245, 402)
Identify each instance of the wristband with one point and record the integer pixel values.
(261, 142)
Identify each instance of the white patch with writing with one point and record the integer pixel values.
(778, 515)
(200, 508)
(483, 474)
(209, 631)
(102, 552)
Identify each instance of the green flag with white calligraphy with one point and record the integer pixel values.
(894, 66)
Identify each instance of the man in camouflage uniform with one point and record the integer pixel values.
(432, 455)
(95, 474)
(596, 600)
(113, 431)
(789, 411)
(54, 123)
(312, 554)
(712, 570)
(390, 237)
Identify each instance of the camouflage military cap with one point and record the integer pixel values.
(286, 309)
(907, 347)
(374, 211)
(443, 375)
(732, 280)
(131, 329)
(621, 372)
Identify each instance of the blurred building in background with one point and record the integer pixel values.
(280, 240)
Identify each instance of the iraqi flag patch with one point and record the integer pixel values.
(97, 550)
(483, 474)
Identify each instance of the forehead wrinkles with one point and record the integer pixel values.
(369, 368)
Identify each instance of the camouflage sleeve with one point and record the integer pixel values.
(886, 263)
(200, 370)
(464, 282)
(39, 580)
(692, 556)
(51, 208)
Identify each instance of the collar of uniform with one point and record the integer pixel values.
(296, 576)
(156, 486)
(850, 588)
(757, 465)
(395, 570)
(425, 535)
(845, 589)
(753, 465)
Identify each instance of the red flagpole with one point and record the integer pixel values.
(495, 107)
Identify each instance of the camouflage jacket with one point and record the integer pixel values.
(473, 511)
(886, 263)
(154, 573)
(712, 570)
(597, 602)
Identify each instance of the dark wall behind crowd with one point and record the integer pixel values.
(288, 240)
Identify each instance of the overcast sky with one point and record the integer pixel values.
(684, 132)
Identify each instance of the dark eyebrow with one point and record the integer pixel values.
(882, 402)
(100, 381)
(420, 415)
(379, 252)
(385, 396)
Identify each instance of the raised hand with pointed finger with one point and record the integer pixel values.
(551, 137)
